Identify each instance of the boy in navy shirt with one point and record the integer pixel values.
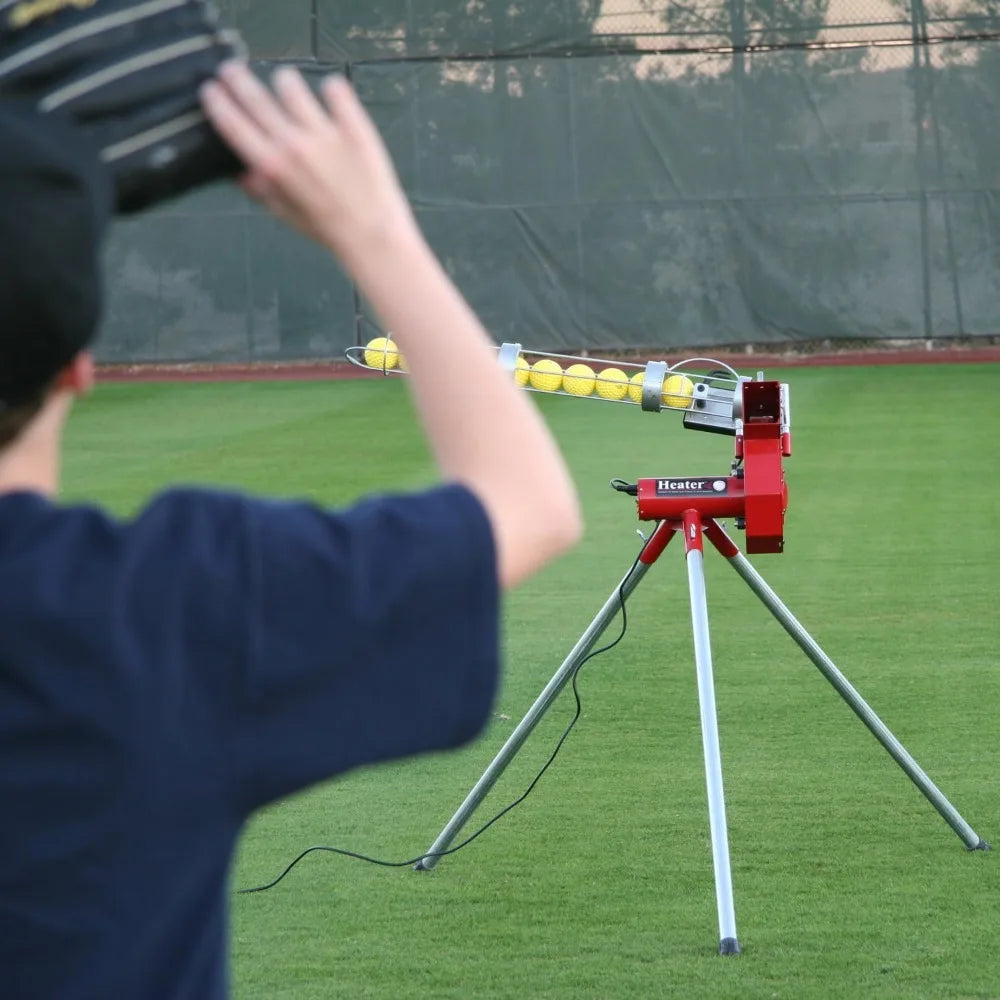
(162, 678)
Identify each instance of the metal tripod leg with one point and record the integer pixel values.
(728, 943)
(811, 648)
(651, 551)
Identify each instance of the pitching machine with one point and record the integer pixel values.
(753, 494)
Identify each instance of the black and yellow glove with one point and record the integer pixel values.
(127, 72)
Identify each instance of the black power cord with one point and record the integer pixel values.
(503, 812)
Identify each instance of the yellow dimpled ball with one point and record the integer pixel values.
(612, 383)
(546, 375)
(521, 370)
(678, 392)
(579, 380)
(381, 353)
(635, 387)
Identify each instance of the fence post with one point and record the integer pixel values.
(919, 28)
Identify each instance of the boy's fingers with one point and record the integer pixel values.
(254, 99)
(241, 133)
(346, 109)
(298, 99)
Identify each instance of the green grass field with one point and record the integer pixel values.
(847, 882)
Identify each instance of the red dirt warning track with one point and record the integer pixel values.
(312, 371)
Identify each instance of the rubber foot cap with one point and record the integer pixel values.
(729, 946)
(981, 846)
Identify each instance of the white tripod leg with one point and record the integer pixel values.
(694, 543)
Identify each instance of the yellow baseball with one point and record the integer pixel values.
(381, 353)
(635, 387)
(579, 380)
(546, 375)
(522, 370)
(678, 392)
(612, 383)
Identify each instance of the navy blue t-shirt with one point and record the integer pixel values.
(162, 678)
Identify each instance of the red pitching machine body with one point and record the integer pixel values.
(755, 494)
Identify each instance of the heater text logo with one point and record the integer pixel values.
(698, 487)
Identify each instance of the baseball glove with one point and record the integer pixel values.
(127, 72)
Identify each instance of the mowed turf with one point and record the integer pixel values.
(847, 882)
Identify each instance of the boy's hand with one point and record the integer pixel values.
(320, 166)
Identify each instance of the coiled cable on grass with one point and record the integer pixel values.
(503, 812)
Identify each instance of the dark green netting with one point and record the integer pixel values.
(592, 181)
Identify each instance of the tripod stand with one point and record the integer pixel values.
(756, 495)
